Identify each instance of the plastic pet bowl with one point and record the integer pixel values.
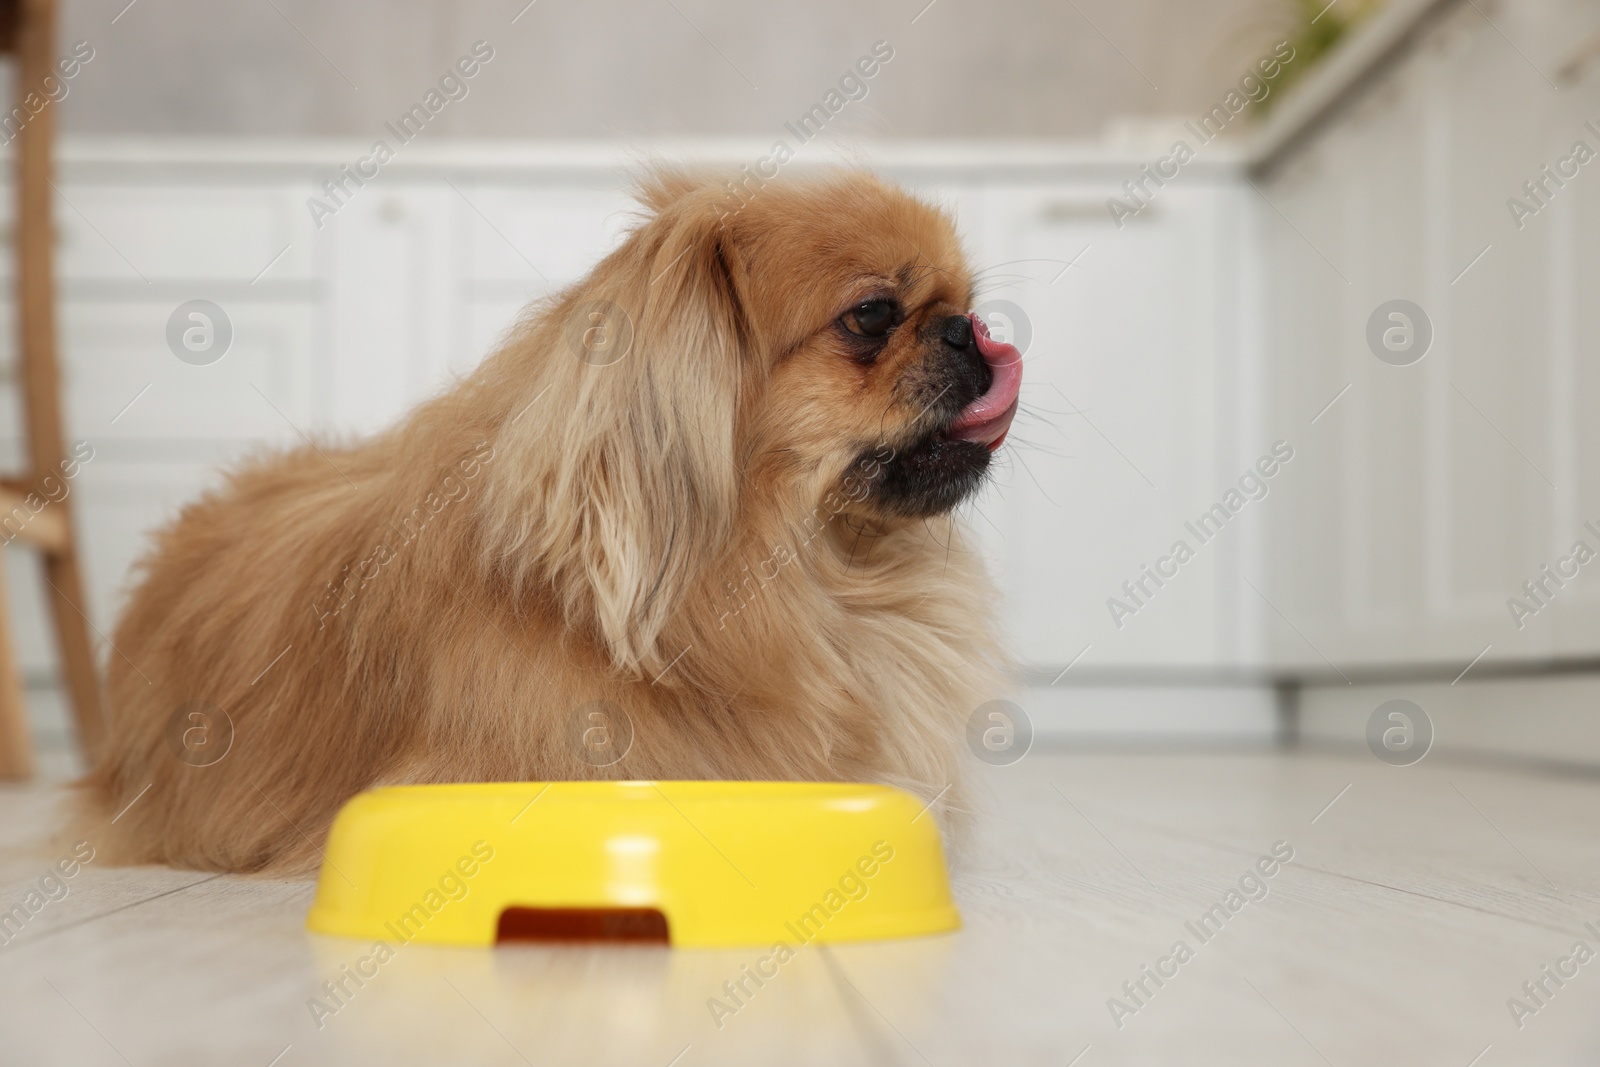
(684, 863)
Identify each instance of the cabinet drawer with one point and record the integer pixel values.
(153, 234)
(539, 233)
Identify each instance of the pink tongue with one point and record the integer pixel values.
(986, 419)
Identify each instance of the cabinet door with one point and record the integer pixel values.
(1344, 229)
(1116, 445)
(392, 284)
(176, 231)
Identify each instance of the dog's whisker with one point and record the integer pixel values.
(1023, 463)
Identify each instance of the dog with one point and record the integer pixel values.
(692, 519)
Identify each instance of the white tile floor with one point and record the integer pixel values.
(1415, 906)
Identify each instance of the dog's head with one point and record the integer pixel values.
(749, 359)
(879, 385)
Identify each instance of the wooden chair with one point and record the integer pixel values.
(27, 31)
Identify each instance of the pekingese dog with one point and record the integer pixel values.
(691, 520)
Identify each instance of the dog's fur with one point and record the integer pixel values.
(718, 532)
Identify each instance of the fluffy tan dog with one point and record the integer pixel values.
(691, 520)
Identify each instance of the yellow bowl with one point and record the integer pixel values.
(691, 863)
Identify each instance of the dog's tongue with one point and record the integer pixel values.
(986, 419)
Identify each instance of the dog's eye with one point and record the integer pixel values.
(873, 318)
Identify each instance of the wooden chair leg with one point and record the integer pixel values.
(16, 743)
(69, 611)
(41, 380)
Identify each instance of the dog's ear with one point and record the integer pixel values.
(622, 478)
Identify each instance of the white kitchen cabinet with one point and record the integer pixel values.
(1438, 488)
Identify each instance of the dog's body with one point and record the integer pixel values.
(737, 533)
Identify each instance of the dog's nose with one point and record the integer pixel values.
(958, 331)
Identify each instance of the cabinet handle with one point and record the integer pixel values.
(1062, 212)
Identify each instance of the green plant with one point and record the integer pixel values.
(1316, 29)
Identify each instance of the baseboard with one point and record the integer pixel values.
(1153, 714)
(1553, 719)
(1550, 720)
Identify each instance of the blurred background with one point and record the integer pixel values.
(1304, 288)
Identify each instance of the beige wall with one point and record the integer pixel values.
(637, 68)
